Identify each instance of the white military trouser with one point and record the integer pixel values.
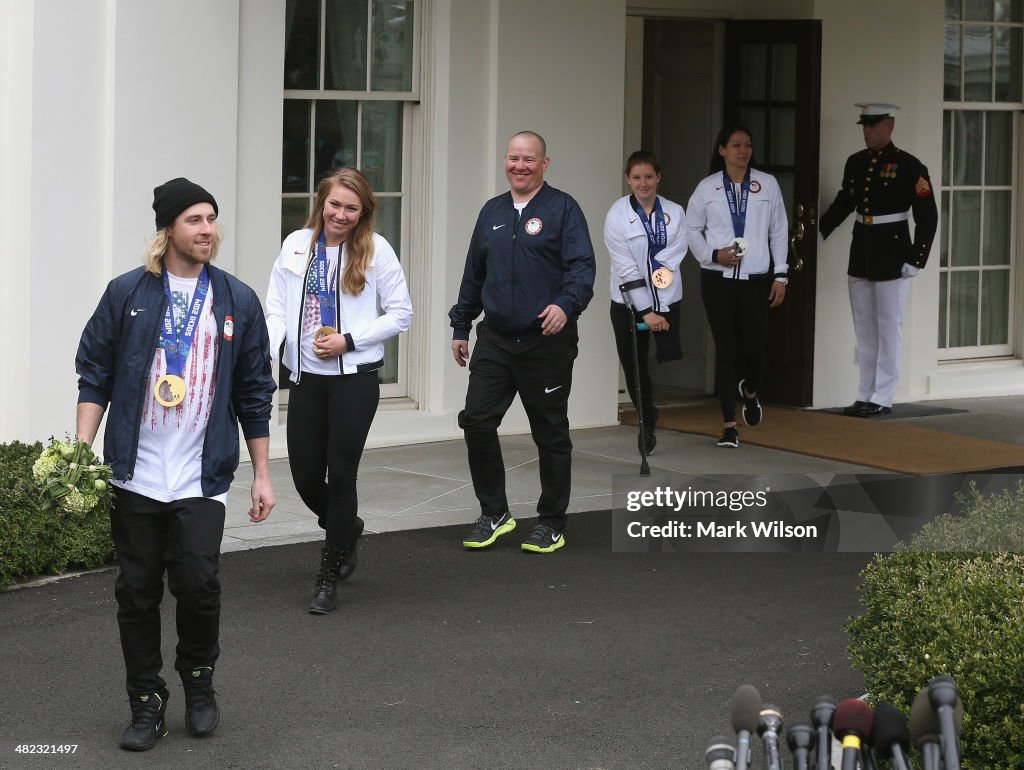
(878, 322)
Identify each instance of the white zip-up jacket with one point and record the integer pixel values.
(380, 311)
(626, 240)
(709, 226)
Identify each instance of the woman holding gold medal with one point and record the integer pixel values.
(646, 238)
(336, 293)
(737, 228)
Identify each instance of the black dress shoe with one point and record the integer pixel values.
(871, 409)
(853, 410)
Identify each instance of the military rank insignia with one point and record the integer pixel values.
(923, 187)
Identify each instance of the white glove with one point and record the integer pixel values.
(909, 271)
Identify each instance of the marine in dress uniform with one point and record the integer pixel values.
(884, 185)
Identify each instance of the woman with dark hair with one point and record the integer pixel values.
(646, 238)
(337, 292)
(737, 228)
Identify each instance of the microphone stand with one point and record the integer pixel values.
(624, 288)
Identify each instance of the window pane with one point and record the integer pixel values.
(967, 138)
(1010, 10)
(295, 156)
(995, 307)
(967, 230)
(294, 212)
(951, 87)
(752, 67)
(944, 231)
(963, 309)
(1008, 64)
(301, 43)
(943, 288)
(999, 148)
(783, 149)
(784, 72)
(382, 145)
(392, 45)
(996, 250)
(952, 10)
(388, 374)
(978, 10)
(947, 144)
(335, 136)
(977, 63)
(345, 57)
(754, 119)
(785, 180)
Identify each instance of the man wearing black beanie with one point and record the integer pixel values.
(173, 412)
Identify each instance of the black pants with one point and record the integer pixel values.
(668, 349)
(329, 417)
(184, 538)
(539, 370)
(737, 312)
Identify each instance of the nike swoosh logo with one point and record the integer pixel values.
(137, 310)
(632, 221)
(555, 538)
(552, 390)
(495, 227)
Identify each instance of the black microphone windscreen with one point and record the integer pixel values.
(852, 716)
(924, 722)
(745, 708)
(889, 728)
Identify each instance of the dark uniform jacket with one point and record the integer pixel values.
(518, 264)
(886, 181)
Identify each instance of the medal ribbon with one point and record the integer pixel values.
(739, 217)
(176, 344)
(325, 284)
(657, 232)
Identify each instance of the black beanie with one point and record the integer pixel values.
(173, 197)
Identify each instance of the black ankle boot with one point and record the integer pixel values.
(201, 712)
(325, 594)
(350, 556)
(147, 721)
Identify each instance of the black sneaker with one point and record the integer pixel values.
(543, 539)
(201, 712)
(752, 412)
(147, 721)
(730, 438)
(488, 529)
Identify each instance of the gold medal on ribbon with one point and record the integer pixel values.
(741, 246)
(662, 278)
(170, 390)
(324, 331)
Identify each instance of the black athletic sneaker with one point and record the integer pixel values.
(147, 721)
(201, 712)
(752, 412)
(730, 438)
(488, 529)
(543, 539)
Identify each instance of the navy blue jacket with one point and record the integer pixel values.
(116, 352)
(517, 267)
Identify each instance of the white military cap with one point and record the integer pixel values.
(873, 112)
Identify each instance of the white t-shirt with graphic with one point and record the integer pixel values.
(170, 455)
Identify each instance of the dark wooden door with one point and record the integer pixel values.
(772, 86)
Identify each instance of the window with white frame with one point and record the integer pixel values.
(980, 259)
(350, 82)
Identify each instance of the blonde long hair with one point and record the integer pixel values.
(156, 247)
(359, 246)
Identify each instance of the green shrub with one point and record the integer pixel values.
(34, 542)
(944, 604)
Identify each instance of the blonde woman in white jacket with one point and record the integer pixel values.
(322, 303)
(645, 235)
(737, 229)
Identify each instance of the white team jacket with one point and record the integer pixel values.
(626, 240)
(709, 226)
(382, 310)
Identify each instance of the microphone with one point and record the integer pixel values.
(821, 718)
(852, 724)
(768, 725)
(890, 735)
(745, 709)
(800, 737)
(924, 731)
(719, 754)
(943, 698)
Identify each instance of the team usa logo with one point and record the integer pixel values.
(755, 186)
(534, 226)
(668, 219)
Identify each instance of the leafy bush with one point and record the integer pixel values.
(34, 541)
(943, 603)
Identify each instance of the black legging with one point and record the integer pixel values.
(329, 417)
(737, 312)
